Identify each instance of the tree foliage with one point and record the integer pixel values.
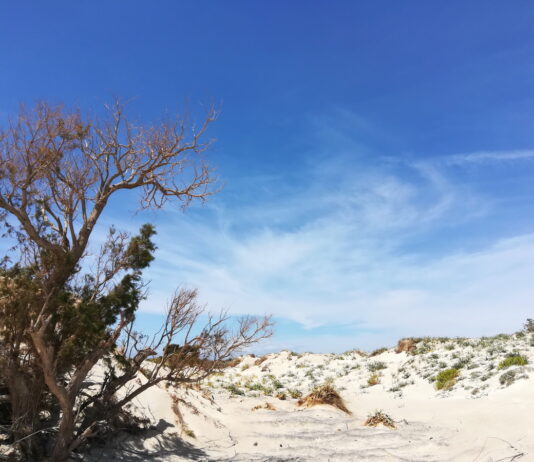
(58, 173)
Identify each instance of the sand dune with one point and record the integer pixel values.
(486, 415)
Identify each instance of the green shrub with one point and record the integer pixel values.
(378, 351)
(254, 386)
(462, 362)
(446, 379)
(268, 391)
(515, 360)
(373, 380)
(190, 433)
(422, 349)
(234, 390)
(376, 366)
(507, 378)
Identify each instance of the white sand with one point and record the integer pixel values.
(478, 420)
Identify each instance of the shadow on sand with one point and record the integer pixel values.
(133, 448)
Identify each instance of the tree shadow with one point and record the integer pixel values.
(133, 448)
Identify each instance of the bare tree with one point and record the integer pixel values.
(58, 172)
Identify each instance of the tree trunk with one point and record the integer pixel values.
(25, 396)
(64, 437)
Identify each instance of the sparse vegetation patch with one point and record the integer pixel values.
(515, 360)
(373, 380)
(267, 406)
(376, 366)
(325, 394)
(446, 379)
(380, 417)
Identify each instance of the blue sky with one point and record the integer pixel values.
(377, 158)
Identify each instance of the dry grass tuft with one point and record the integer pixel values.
(233, 362)
(267, 406)
(260, 360)
(378, 351)
(378, 418)
(361, 353)
(325, 394)
(373, 380)
(406, 344)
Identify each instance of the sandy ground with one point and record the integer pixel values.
(482, 418)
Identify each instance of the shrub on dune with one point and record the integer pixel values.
(515, 360)
(378, 351)
(373, 380)
(379, 417)
(446, 379)
(325, 394)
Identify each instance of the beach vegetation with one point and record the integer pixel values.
(373, 380)
(513, 360)
(325, 394)
(376, 366)
(446, 379)
(378, 351)
(380, 418)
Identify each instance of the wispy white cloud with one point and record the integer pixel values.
(489, 156)
(358, 240)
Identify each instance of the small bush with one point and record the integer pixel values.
(268, 391)
(259, 361)
(446, 379)
(461, 363)
(234, 390)
(515, 360)
(507, 378)
(373, 380)
(232, 362)
(189, 433)
(295, 394)
(422, 349)
(379, 417)
(325, 394)
(376, 366)
(378, 351)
